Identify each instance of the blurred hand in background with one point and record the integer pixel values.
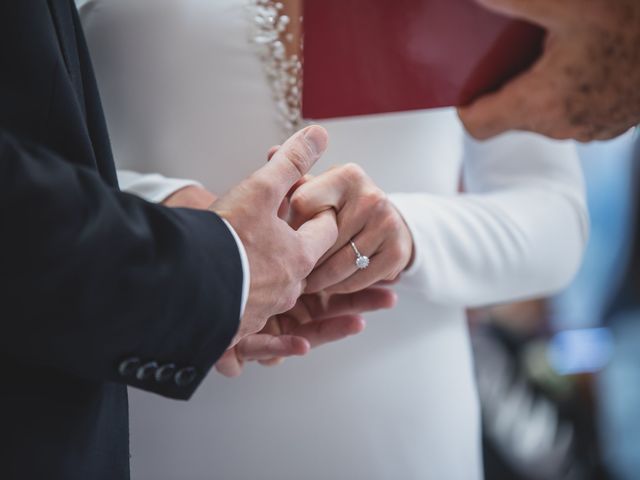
(586, 85)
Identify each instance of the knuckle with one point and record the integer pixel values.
(290, 298)
(306, 261)
(353, 172)
(298, 202)
(373, 197)
(298, 157)
(301, 260)
(261, 187)
(379, 201)
(260, 324)
(290, 303)
(392, 222)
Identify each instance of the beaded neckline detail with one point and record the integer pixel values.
(269, 33)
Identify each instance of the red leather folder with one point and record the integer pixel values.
(375, 56)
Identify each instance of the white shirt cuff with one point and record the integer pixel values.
(244, 259)
(153, 188)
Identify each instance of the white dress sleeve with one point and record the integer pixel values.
(152, 187)
(518, 231)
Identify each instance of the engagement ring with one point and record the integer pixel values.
(362, 261)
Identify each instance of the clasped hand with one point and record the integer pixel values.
(306, 289)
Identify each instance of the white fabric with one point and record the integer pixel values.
(485, 246)
(186, 96)
(156, 188)
(153, 187)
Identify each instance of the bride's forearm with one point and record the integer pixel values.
(520, 231)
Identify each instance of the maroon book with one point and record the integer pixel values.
(375, 56)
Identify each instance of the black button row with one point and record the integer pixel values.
(133, 367)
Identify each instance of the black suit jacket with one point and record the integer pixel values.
(99, 289)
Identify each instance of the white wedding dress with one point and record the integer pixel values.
(186, 96)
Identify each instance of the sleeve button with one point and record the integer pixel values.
(129, 366)
(186, 376)
(146, 371)
(165, 373)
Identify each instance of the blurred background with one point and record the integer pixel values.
(559, 378)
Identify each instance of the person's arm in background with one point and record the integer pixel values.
(586, 85)
(519, 231)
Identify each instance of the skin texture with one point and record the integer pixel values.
(586, 85)
(365, 215)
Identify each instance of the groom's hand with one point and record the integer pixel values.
(315, 320)
(280, 258)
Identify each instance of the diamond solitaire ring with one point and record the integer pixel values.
(362, 261)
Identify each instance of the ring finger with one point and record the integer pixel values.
(382, 266)
(342, 264)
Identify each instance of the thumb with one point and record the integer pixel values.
(292, 161)
(543, 12)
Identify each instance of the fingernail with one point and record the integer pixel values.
(317, 139)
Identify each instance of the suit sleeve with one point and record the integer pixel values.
(518, 231)
(108, 287)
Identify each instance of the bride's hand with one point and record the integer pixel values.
(315, 320)
(366, 217)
